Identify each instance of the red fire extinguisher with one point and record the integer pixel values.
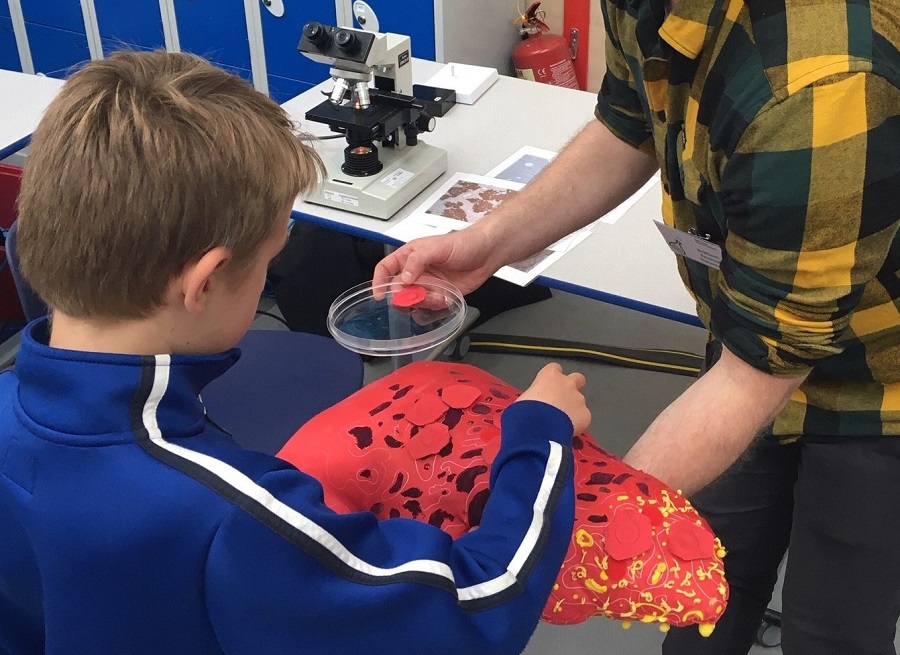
(542, 57)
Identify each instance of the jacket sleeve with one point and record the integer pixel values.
(619, 101)
(287, 574)
(810, 199)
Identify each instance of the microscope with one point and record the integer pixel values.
(384, 164)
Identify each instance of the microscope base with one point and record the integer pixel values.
(406, 172)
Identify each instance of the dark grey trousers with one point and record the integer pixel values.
(836, 504)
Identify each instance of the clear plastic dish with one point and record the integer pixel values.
(368, 320)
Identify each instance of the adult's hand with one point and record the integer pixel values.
(463, 258)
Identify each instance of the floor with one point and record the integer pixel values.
(623, 402)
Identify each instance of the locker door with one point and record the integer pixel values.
(289, 72)
(217, 30)
(414, 18)
(9, 52)
(56, 34)
(56, 52)
(136, 24)
(61, 14)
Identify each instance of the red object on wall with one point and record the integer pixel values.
(577, 15)
(543, 57)
(10, 180)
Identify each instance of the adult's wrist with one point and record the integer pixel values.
(493, 236)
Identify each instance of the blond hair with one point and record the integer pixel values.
(144, 162)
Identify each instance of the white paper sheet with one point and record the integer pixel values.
(463, 200)
(523, 165)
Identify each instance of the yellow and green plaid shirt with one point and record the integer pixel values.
(777, 127)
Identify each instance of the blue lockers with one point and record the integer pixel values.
(414, 18)
(217, 30)
(135, 24)
(56, 35)
(289, 72)
(56, 52)
(61, 14)
(9, 52)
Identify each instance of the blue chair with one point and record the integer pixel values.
(282, 379)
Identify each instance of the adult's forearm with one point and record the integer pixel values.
(708, 427)
(593, 174)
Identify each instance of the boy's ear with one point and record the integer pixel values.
(194, 282)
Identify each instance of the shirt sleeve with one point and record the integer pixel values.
(286, 574)
(619, 104)
(810, 199)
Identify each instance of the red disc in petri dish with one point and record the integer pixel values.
(408, 296)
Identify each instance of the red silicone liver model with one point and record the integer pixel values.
(639, 551)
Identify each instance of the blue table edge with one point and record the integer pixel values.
(568, 287)
(14, 147)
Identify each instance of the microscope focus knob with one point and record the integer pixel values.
(346, 40)
(315, 32)
(426, 123)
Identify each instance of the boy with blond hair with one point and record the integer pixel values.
(157, 190)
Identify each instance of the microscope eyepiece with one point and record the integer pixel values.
(346, 41)
(315, 32)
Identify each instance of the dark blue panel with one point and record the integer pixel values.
(64, 14)
(112, 45)
(240, 72)
(282, 89)
(215, 29)
(281, 36)
(415, 18)
(9, 52)
(55, 52)
(135, 21)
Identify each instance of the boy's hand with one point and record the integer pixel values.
(554, 387)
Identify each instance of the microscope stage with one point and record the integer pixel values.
(405, 173)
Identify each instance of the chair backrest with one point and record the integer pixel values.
(282, 380)
(32, 304)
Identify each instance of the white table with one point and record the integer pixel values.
(23, 99)
(626, 264)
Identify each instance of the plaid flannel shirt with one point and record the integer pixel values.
(777, 127)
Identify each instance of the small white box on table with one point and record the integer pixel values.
(469, 82)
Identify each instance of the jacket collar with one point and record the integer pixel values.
(91, 398)
(687, 26)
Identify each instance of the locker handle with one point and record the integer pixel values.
(275, 7)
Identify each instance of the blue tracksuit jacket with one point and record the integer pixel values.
(130, 524)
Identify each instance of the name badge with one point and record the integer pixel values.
(691, 246)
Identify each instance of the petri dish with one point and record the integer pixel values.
(364, 319)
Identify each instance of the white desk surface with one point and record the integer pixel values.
(627, 264)
(23, 99)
